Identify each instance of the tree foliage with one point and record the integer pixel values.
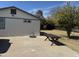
(67, 17)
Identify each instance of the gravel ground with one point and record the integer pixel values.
(23, 46)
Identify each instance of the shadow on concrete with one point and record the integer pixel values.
(4, 45)
(57, 43)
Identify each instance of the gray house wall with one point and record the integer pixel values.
(15, 25)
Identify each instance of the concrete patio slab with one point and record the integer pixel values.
(23, 46)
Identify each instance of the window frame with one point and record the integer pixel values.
(3, 21)
(27, 21)
(13, 11)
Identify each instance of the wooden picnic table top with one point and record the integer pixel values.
(51, 35)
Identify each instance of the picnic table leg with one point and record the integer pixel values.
(52, 43)
(53, 39)
(45, 39)
(56, 39)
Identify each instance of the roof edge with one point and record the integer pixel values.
(20, 10)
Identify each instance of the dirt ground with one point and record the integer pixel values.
(23, 46)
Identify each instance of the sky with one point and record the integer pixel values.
(33, 6)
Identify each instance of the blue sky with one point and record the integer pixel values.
(33, 6)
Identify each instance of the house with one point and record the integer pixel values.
(17, 22)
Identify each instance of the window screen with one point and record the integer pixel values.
(13, 11)
(2, 23)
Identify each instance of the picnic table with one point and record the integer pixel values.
(53, 37)
(48, 36)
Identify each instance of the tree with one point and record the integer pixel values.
(50, 24)
(39, 14)
(77, 17)
(67, 17)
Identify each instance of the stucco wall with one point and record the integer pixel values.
(16, 27)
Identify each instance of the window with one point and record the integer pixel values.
(13, 11)
(28, 21)
(2, 23)
(25, 20)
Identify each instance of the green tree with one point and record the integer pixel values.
(43, 21)
(77, 17)
(67, 18)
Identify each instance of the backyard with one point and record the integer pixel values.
(24, 46)
(37, 47)
(72, 43)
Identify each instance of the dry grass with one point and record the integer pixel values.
(72, 43)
